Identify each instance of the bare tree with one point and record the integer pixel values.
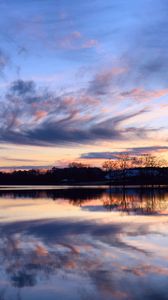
(150, 161)
(78, 165)
(109, 166)
(125, 163)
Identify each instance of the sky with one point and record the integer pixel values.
(82, 80)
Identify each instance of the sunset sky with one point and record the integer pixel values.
(82, 80)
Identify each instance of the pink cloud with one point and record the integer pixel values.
(103, 81)
(108, 74)
(40, 115)
(144, 95)
(90, 44)
(75, 40)
(80, 100)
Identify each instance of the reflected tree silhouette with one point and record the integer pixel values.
(138, 201)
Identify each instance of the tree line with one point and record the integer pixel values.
(125, 169)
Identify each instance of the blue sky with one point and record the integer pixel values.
(82, 77)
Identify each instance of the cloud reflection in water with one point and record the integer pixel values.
(83, 258)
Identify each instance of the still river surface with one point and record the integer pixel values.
(71, 243)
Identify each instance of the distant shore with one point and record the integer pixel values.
(87, 176)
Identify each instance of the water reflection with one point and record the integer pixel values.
(136, 200)
(72, 194)
(109, 257)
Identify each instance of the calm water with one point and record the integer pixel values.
(83, 243)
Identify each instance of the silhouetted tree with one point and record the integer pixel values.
(78, 165)
(110, 166)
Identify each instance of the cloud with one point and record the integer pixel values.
(40, 114)
(114, 82)
(146, 54)
(104, 80)
(36, 116)
(99, 155)
(18, 159)
(130, 151)
(143, 270)
(90, 44)
(22, 88)
(144, 95)
(142, 55)
(76, 41)
(4, 60)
